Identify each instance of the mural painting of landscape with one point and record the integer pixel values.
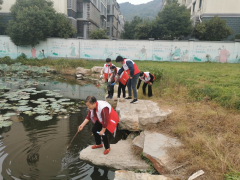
(137, 50)
(63, 48)
(7, 48)
(96, 49)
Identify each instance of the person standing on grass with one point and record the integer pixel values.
(132, 70)
(148, 79)
(123, 79)
(105, 120)
(107, 73)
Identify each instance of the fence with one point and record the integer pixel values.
(177, 51)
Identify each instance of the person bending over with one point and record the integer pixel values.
(132, 70)
(148, 79)
(105, 120)
(122, 79)
(107, 73)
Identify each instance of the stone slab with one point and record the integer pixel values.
(83, 71)
(138, 143)
(155, 148)
(97, 69)
(135, 117)
(129, 175)
(121, 156)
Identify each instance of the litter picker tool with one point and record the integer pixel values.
(72, 140)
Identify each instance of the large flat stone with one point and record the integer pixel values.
(138, 143)
(129, 175)
(155, 148)
(121, 156)
(83, 71)
(97, 69)
(135, 117)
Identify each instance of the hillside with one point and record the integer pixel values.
(149, 9)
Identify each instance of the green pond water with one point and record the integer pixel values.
(34, 147)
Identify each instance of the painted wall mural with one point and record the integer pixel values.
(176, 51)
(7, 48)
(213, 52)
(138, 50)
(68, 48)
(100, 49)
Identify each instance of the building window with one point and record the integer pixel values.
(200, 3)
(194, 5)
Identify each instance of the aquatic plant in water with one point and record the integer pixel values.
(43, 118)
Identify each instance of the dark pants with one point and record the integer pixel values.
(98, 127)
(110, 88)
(123, 88)
(131, 84)
(149, 89)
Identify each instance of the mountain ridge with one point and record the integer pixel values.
(146, 10)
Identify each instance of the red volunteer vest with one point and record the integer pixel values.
(107, 71)
(147, 77)
(113, 116)
(125, 67)
(123, 77)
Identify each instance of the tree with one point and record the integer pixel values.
(129, 28)
(215, 29)
(62, 28)
(33, 21)
(145, 29)
(1, 2)
(173, 21)
(98, 34)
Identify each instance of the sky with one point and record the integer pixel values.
(134, 1)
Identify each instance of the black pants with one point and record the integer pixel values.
(149, 89)
(97, 127)
(123, 88)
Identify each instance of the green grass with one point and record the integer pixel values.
(215, 81)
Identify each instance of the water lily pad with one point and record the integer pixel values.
(40, 110)
(61, 100)
(4, 118)
(24, 108)
(30, 113)
(43, 118)
(5, 123)
(42, 99)
(10, 114)
(67, 103)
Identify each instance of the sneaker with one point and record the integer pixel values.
(106, 151)
(108, 96)
(128, 98)
(134, 101)
(97, 146)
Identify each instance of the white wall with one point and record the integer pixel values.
(59, 5)
(222, 6)
(176, 51)
(7, 5)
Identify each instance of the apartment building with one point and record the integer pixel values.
(85, 15)
(206, 9)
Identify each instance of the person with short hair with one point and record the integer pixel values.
(131, 68)
(105, 120)
(148, 79)
(123, 79)
(107, 73)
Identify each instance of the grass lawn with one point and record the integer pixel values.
(205, 99)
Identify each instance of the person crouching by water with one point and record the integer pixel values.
(122, 79)
(105, 120)
(148, 79)
(131, 68)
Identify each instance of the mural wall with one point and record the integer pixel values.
(176, 51)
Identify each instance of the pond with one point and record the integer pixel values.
(33, 148)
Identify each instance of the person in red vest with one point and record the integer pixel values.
(131, 68)
(105, 120)
(107, 73)
(148, 79)
(123, 79)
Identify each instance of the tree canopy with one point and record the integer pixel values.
(129, 28)
(33, 21)
(215, 29)
(98, 34)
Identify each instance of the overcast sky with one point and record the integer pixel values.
(134, 1)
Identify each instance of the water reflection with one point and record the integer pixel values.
(33, 150)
